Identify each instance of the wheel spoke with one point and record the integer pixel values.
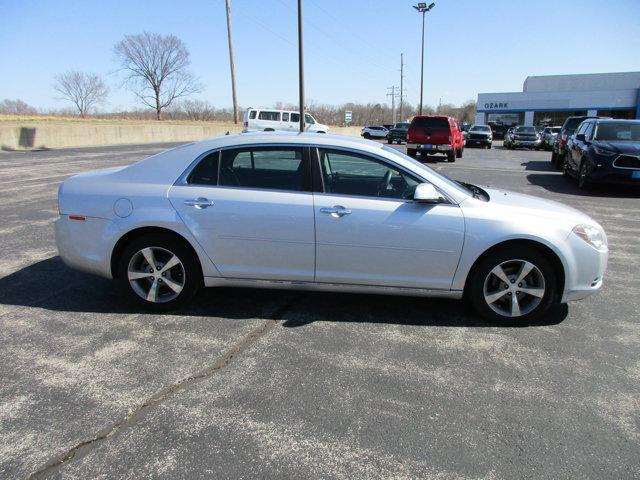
(176, 287)
(173, 261)
(536, 292)
(493, 297)
(499, 272)
(515, 306)
(152, 296)
(133, 275)
(149, 257)
(524, 271)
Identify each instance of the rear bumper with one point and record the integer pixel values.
(432, 149)
(86, 245)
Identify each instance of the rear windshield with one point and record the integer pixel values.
(433, 122)
(622, 131)
(572, 123)
(526, 130)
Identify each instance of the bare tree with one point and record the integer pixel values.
(157, 69)
(199, 110)
(85, 90)
(16, 107)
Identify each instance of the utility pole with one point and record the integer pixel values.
(422, 8)
(301, 65)
(401, 87)
(232, 64)
(392, 94)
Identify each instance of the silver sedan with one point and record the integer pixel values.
(323, 212)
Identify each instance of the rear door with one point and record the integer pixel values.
(251, 209)
(370, 232)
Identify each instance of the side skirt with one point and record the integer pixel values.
(330, 287)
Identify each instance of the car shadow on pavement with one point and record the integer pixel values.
(539, 166)
(559, 184)
(51, 285)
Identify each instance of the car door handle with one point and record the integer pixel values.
(199, 203)
(336, 211)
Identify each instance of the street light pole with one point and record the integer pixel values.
(232, 65)
(300, 66)
(422, 8)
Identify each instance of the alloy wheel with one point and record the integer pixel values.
(156, 274)
(514, 288)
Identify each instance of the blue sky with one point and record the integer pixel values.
(352, 46)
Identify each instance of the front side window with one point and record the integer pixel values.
(309, 119)
(206, 172)
(252, 114)
(266, 115)
(588, 130)
(346, 173)
(272, 168)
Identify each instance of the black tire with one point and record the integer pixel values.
(192, 277)
(474, 291)
(389, 140)
(451, 155)
(366, 135)
(412, 152)
(554, 159)
(489, 146)
(459, 153)
(583, 176)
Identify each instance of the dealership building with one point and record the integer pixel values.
(549, 99)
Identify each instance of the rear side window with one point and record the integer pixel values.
(432, 122)
(206, 172)
(273, 116)
(285, 117)
(252, 114)
(295, 117)
(273, 168)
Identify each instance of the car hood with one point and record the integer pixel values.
(626, 147)
(528, 206)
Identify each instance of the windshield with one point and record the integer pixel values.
(525, 130)
(480, 128)
(452, 183)
(623, 131)
(401, 125)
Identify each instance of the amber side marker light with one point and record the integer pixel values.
(77, 217)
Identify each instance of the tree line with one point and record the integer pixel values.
(155, 69)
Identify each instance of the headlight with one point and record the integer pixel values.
(592, 235)
(602, 151)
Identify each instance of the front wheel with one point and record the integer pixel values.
(412, 152)
(513, 286)
(366, 135)
(159, 272)
(583, 176)
(389, 140)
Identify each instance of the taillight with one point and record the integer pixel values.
(564, 139)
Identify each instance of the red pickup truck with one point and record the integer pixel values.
(432, 134)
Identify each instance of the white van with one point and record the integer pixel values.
(270, 120)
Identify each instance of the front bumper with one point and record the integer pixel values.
(429, 148)
(585, 270)
(479, 141)
(601, 170)
(526, 143)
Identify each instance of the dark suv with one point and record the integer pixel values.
(606, 151)
(559, 149)
(398, 133)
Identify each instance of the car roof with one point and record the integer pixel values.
(617, 120)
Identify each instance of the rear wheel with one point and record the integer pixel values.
(515, 286)
(389, 140)
(159, 272)
(412, 152)
(459, 153)
(451, 155)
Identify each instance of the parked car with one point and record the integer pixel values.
(523, 137)
(398, 133)
(465, 129)
(549, 135)
(499, 129)
(375, 131)
(270, 120)
(559, 149)
(507, 136)
(432, 134)
(604, 151)
(480, 135)
(323, 212)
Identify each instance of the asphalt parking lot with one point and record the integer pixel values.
(272, 384)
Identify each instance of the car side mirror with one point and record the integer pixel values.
(580, 137)
(427, 193)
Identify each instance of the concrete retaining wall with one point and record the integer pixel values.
(28, 135)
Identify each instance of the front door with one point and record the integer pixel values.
(251, 209)
(369, 231)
